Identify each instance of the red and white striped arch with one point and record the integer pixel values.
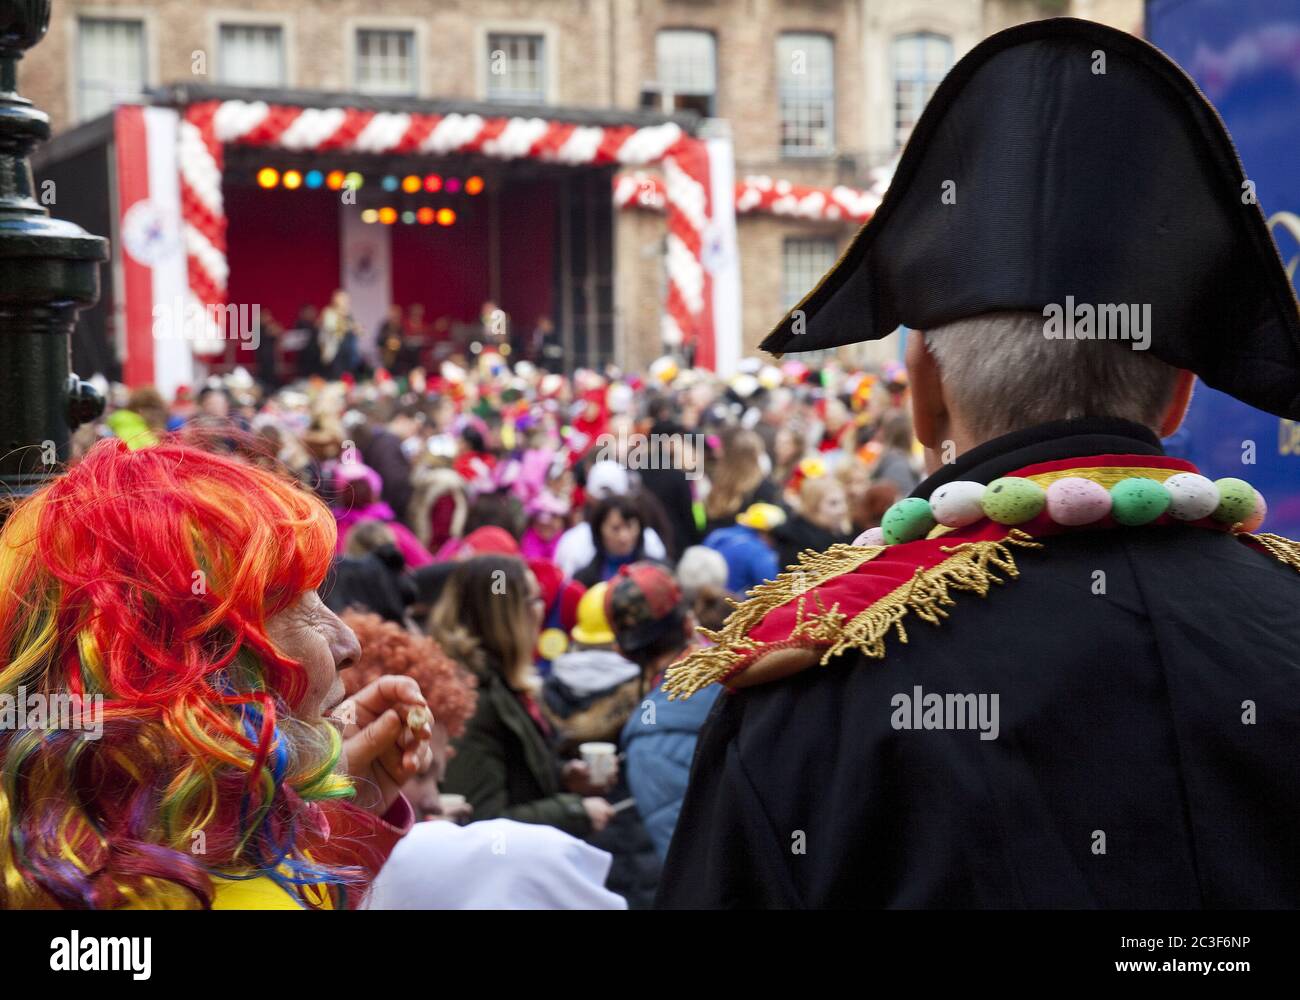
(761, 194)
(207, 127)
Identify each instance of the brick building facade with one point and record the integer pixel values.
(816, 92)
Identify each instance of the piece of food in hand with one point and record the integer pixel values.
(417, 718)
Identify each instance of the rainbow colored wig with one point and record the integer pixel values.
(147, 578)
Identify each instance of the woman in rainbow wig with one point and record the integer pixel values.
(165, 671)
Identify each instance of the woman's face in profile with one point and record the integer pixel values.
(312, 634)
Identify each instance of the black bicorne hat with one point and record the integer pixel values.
(1078, 161)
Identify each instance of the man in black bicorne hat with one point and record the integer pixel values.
(1066, 671)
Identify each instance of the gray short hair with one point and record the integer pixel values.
(701, 567)
(1002, 373)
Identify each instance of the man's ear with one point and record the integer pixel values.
(929, 410)
(1179, 400)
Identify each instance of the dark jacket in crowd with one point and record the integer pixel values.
(604, 567)
(799, 533)
(1146, 748)
(376, 582)
(506, 768)
(382, 451)
(673, 491)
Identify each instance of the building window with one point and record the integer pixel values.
(687, 71)
(516, 68)
(385, 62)
(804, 262)
(921, 60)
(806, 90)
(110, 63)
(252, 55)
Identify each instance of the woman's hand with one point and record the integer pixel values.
(459, 814)
(576, 777)
(381, 752)
(599, 811)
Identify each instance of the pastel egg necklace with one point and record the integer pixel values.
(1073, 501)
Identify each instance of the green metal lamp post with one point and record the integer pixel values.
(49, 270)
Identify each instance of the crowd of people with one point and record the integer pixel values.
(534, 550)
(331, 342)
(451, 631)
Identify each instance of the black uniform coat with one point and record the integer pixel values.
(1121, 717)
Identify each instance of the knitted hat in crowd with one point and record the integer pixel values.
(643, 603)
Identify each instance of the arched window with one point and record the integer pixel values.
(920, 60)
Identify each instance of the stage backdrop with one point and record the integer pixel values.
(366, 260)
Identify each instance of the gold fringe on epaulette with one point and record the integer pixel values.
(970, 567)
(731, 642)
(1281, 548)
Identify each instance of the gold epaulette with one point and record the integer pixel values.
(819, 632)
(1285, 550)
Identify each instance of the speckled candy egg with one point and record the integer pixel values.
(1191, 496)
(1137, 501)
(872, 536)
(1074, 500)
(1236, 500)
(907, 520)
(957, 504)
(1257, 516)
(1012, 500)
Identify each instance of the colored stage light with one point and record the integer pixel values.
(387, 215)
(474, 185)
(391, 183)
(268, 177)
(314, 178)
(410, 184)
(425, 215)
(334, 179)
(292, 180)
(369, 216)
(408, 217)
(446, 217)
(453, 184)
(432, 182)
(353, 180)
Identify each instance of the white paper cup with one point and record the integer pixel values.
(601, 760)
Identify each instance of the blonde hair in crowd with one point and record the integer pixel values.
(484, 621)
(737, 475)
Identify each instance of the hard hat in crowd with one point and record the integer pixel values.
(593, 627)
(761, 516)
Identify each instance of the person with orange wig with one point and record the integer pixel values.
(169, 597)
(388, 648)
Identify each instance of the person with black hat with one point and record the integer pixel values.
(1061, 674)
